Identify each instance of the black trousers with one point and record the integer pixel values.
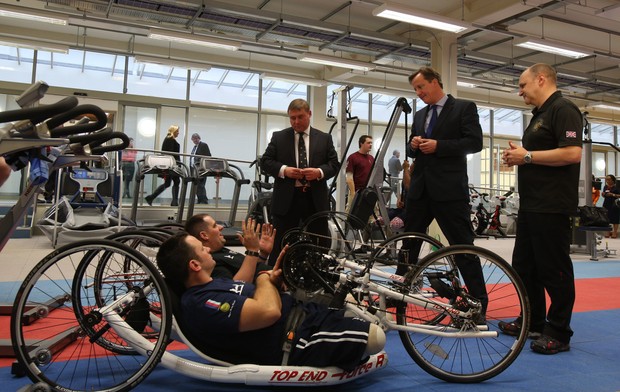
(541, 257)
(301, 209)
(453, 218)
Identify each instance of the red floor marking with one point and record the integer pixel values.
(592, 294)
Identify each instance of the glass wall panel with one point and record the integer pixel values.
(278, 94)
(484, 117)
(156, 80)
(16, 64)
(230, 135)
(507, 122)
(140, 123)
(225, 87)
(603, 133)
(383, 107)
(82, 70)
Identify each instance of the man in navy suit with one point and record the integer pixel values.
(200, 148)
(443, 133)
(301, 170)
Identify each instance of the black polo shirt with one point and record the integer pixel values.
(228, 262)
(548, 189)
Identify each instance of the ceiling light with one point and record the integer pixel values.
(35, 16)
(336, 61)
(171, 62)
(386, 91)
(405, 14)
(193, 39)
(293, 79)
(544, 45)
(602, 105)
(466, 84)
(27, 44)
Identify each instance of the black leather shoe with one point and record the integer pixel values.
(149, 199)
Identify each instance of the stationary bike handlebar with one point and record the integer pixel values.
(100, 121)
(39, 113)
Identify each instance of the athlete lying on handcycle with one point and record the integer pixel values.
(241, 322)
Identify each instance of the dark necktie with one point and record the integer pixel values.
(303, 157)
(431, 123)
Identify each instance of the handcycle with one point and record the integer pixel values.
(97, 315)
(116, 305)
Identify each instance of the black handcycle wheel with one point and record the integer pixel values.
(58, 333)
(463, 359)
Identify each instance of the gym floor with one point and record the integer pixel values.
(591, 365)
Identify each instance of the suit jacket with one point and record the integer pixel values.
(443, 174)
(201, 149)
(281, 151)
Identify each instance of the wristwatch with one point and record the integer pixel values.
(252, 253)
(527, 158)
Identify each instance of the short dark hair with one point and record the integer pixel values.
(196, 224)
(428, 73)
(298, 104)
(173, 260)
(362, 139)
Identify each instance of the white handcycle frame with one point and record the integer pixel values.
(223, 372)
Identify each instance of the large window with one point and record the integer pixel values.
(82, 70)
(508, 122)
(225, 87)
(156, 80)
(230, 135)
(16, 64)
(278, 94)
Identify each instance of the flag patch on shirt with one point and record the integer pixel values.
(571, 134)
(212, 304)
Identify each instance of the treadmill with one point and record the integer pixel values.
(219, 168)
(156, 164)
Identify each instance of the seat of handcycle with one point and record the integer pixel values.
(252, 374)
(209, 353)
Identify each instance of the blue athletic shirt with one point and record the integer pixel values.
(212, 313)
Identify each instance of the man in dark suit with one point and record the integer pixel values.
(443, 133)
(200, 148)
(301, 159)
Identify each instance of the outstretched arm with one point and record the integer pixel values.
(265, 308)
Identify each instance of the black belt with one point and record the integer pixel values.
(304, 188)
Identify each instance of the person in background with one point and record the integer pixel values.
(128, 165)
(611, 192)
(358, 168)
(257, 240)
(301, 159)
(394, 169)
(171, 145)
(200, 148)
(596, 190)
(443, 134)
(398, 215)
(548, 178)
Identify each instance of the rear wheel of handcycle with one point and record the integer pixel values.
(58, 333)
(146, 242)
(448, 356)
